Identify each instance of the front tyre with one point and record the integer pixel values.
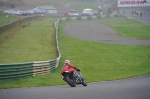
(84, 83)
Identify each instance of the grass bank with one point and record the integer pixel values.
(131, 28)
(101, 61)
(33, 43)
(97, 61)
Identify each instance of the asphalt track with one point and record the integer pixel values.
(95, 31)
(134, 88)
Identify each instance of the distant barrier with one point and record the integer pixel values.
(15, 23)
(141, 13)
(88, 17)
(10, 71)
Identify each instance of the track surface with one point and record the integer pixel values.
(95, 31)
(135, 88)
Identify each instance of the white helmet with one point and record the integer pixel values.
(67, 62)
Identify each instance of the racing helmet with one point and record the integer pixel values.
(67, 62)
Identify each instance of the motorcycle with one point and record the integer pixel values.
(74, 79)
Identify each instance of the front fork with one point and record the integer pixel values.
(78, 78)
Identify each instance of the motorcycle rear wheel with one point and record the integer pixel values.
(71, 82)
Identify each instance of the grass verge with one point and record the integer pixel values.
(101, 61)
(97, 61)
(33, 43)
(131, 28)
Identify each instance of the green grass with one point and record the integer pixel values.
(104, 61)
(131, 28)
(33, 43)
(97, 61)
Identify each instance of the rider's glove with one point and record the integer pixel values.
(78, 69)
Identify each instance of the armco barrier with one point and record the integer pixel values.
(44, 67)
(10, 71)
(15, 70)
(88, 17)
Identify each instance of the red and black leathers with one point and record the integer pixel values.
(69, 67)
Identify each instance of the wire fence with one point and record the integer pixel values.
(20, 22)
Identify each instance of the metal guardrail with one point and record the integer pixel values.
(88, 17)
(15, 70)
(15, 23)
(44, 67)
(10, 71)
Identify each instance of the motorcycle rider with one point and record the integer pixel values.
(69, 67)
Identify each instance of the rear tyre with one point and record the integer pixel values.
(71, 82)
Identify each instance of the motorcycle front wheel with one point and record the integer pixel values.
(84, 83)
